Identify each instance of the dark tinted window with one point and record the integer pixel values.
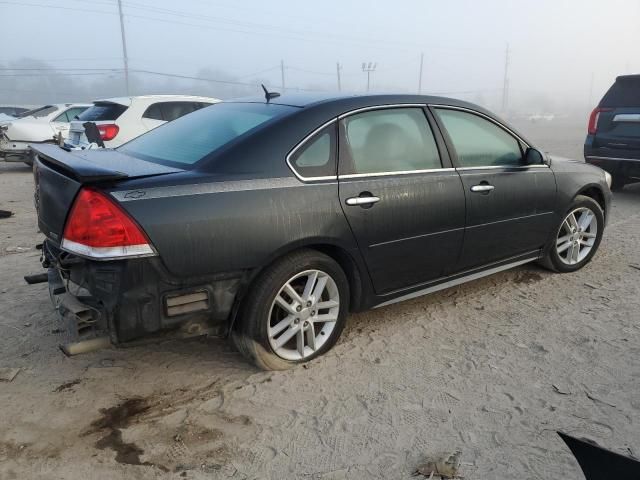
(388, 140)
(102, 111)
(168, 111)
(625, 92)
(191, 138)
(173, 110)
(316, 158)
(40, 112)
(154, 112)
(479, 142)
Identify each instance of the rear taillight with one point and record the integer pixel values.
(108, 131)
(97, 227)
(593, 119)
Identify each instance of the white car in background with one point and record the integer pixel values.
(119, 120)
(40, 125)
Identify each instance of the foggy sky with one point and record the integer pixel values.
(556, 47)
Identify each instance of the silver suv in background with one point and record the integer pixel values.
(121, 119)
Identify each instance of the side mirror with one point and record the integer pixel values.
(533, 157)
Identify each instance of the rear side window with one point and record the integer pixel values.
(70, 114)
(387, 140)
(479, 142)
(191, 138)
(102, 111)
(317, 156)
(625, 92)
(168, 111)
(153, 112)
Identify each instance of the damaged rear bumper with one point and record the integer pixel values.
(130, 299)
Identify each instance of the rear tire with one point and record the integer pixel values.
(294, 312)
(577, 238)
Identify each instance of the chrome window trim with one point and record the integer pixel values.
(498, 124)
(399, 172)
(380, 107)
(486, 117)
(302, 144)
(501, 167)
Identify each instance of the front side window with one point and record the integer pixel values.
(191, 138)
(316, 157)
(479, 142)
(387, 140)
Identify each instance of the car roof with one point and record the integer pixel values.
(126, 101)
(350, 100)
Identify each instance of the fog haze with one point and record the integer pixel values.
(563, 55)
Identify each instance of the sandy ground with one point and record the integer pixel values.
(491, 368)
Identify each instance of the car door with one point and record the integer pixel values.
(509, 203)
(403, 201)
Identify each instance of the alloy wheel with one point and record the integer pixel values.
(303, 315)
(577, 235)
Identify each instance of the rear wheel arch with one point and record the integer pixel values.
(339, 254)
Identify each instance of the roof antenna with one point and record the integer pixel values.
(267, 94)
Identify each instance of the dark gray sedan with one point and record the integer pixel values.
(270, 220)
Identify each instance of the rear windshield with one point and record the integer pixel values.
(102, 111)
(191, 138)
(624, 93)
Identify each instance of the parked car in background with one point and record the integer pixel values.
(40, 125)
(122, 119)
(272, 220)
(613, 139)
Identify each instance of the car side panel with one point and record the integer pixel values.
(573, 178)
(237, 225)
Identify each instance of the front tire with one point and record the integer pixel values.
(577, 238)
(295, 311)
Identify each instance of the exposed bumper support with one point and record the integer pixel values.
(130, 299)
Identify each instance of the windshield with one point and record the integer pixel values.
(191, 138)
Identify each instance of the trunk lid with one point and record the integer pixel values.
(59, 175)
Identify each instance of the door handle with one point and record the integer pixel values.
(362, 201)
(482, 188)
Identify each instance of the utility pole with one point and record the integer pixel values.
(124, 48)
(420, 75)
(368, 68)
(282, 74)
(338, 68)
(505, 84)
